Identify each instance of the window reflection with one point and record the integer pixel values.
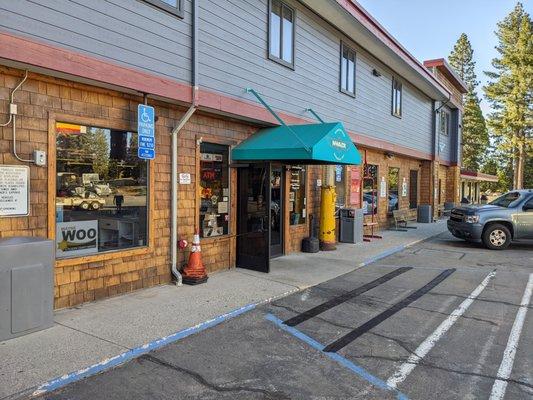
(101, 190)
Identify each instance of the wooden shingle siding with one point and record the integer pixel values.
(128, 32)
(233, 56)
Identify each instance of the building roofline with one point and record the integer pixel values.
(442, 65)
(367, 20)
(478, 176)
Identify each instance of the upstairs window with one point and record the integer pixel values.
(396, 98)
(347, 85)
(281, 33)
(172, 6)
(444, 122)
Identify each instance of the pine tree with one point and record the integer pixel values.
(475, 138)
(510, 91)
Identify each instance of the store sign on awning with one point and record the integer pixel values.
(146, 132)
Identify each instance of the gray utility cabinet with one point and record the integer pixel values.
(351, 225)
(26, 286)
(425, 213)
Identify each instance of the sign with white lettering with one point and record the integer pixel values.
(76, 238)
(14, 190)
(146, 131)
(383, 187)
(404, 187)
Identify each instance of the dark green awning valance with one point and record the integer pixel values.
(327, 143)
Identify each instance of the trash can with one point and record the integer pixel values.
(351, 225)
(26, 286)
(425, 213)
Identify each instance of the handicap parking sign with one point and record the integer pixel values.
(146, 132)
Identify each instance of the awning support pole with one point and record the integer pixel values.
(310, 110)
(278, 118)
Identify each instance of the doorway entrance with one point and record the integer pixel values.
(259, 215)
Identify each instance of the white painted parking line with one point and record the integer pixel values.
(506, 366)
(405, 369)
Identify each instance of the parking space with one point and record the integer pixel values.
(439, 320)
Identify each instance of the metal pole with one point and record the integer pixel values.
(271, 111)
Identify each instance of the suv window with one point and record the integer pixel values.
(508, 200)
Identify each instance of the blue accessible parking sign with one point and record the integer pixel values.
(146, 131)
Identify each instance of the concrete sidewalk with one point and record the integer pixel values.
(88, 334)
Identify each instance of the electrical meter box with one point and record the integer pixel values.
(26, 286)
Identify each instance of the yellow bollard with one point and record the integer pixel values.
(327, 235)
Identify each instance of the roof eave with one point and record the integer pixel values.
(355, 22)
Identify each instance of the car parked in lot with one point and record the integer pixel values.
(508, 217)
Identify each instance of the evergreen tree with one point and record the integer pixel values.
(475, 138)
(511, 90)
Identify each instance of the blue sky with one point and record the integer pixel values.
(429, 29)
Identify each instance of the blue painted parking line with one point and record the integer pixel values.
(360, 371)
(72, 377)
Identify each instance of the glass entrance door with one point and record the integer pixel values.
(253, 221)
(276, 210)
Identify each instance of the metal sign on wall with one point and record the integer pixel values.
(146, 132)
(14, 190)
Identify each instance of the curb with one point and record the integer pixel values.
(129, 355)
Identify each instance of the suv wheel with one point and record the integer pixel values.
(496, 237)
(84, 206)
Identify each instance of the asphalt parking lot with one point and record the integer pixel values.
(443, 319)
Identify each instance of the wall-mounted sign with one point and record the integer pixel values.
(404, 187)
(383, 187)
(76, 238)
(338, 173)
(185, 179)
(319, 182)
(146, 132)
(14, 190)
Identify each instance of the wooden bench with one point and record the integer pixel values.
(403, 217)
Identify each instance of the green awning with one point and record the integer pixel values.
(327, 143)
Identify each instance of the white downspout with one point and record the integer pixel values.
(175, 133)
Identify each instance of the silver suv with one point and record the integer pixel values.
(509, 217)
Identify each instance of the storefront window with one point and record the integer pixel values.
(340, 186)
(394, 200)
(101, 191)
(297, 198)
(370, 189)
(214, 190)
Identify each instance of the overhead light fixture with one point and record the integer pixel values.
(375, 72)
(388, 154)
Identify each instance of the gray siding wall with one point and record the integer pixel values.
(129, 32)
(233, 56)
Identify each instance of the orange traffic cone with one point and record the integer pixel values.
(194, 272)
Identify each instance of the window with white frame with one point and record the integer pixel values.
(172, 6)
(347, 84)
(396, 97)
(444, 122)
(281, 33)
